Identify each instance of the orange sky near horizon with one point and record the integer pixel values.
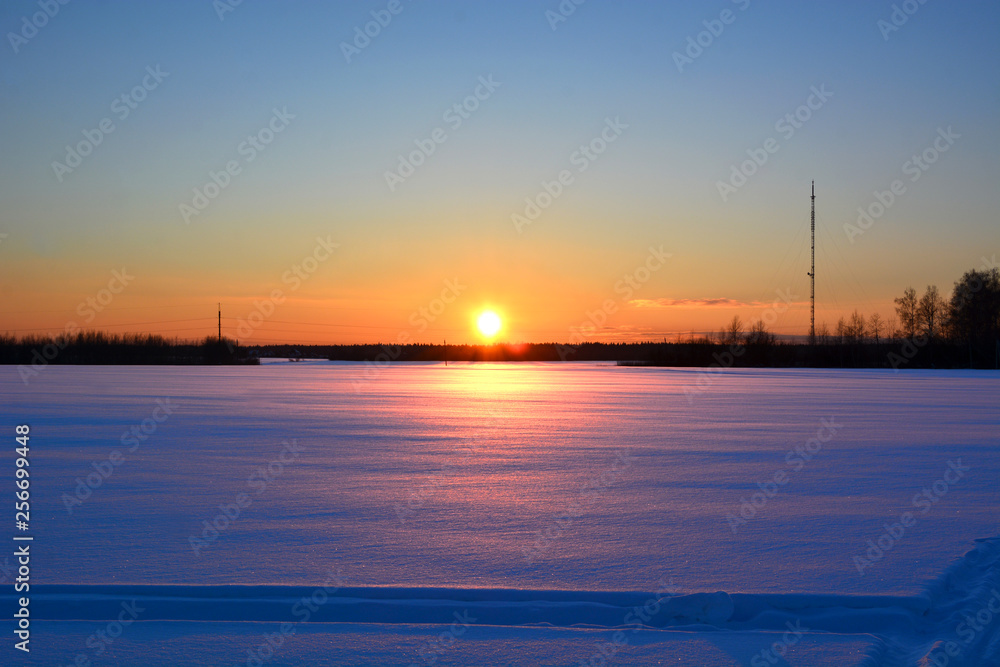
(574, 178)
(296, 306)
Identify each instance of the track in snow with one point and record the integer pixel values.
(913, 630)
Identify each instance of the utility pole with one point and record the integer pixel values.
(812, 272)
(220, 321)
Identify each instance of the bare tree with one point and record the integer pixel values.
(733, 333)
(906, 309)
(892, 328)
(759, 335)
(856, 327)
(823, 334)
(875, 327)
(840, 334)
(931, 313)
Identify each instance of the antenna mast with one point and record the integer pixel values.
(812, 271)
(220, 321)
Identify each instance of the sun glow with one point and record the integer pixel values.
(489, 323)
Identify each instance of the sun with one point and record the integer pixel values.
(489, 323)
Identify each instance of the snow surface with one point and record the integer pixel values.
(187, 644)
(546, 500)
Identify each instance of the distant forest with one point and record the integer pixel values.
(926, 331)
(33, 353)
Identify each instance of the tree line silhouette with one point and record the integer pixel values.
(98, 347)
(925, 331)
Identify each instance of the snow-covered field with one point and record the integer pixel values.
(508, 514)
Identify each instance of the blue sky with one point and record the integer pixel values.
(656, 184)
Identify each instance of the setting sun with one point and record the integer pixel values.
(488, 323)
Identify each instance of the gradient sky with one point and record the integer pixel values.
(323, 175)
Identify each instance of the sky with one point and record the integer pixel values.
(378, 171)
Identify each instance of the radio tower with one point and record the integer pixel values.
(812, 272)
(220, 322)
